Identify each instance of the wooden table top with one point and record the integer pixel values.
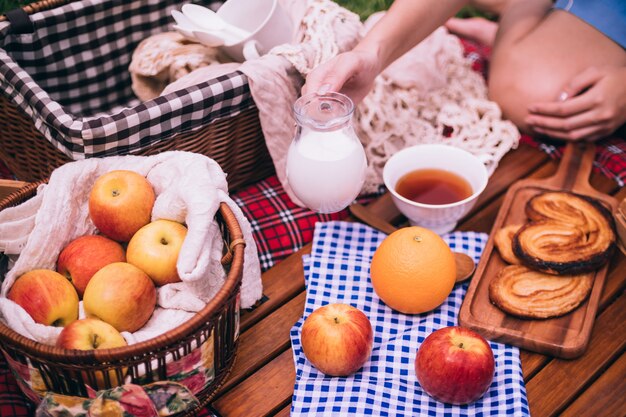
(594, 384)
(262, 381)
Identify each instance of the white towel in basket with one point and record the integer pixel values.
(189, 189)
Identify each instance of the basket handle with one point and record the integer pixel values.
(40, 6)
(228, 256)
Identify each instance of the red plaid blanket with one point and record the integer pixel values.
(281, 228)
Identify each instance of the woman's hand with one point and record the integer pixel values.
(351, 73)
(591, 107)
(404, 25)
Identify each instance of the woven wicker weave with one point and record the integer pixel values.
(236, 142)
(66, 371)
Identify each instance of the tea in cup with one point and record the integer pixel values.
(434, 185)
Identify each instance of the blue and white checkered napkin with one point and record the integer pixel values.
(338, 271)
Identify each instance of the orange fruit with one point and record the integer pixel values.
(413, 270)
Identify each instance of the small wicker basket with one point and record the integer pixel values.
(221, 122)
(198, 354)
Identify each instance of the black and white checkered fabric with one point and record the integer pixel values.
(338, 271)
(71, 77)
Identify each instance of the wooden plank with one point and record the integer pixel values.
(265, 392)
(285, 412)
(606, 397)
(561, 381)
(513, 166)
(280, 283)
(9, 186)
(384, 208)
(614, 286)
(621, 194)
(483, 221)
(265, 340)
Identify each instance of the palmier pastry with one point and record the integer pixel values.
(557, 248)
(503, 240)
(568, 234)
(572, 209)
(522, 292)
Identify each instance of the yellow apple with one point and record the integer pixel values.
(88, 334)
(120, 203)
(86, 255)
(122, 295)
(47, 296)
(154, 249)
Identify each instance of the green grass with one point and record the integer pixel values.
(6, 5)
(363, 8)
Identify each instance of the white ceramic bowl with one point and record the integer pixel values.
(441, 218)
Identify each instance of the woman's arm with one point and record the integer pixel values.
(405, 24)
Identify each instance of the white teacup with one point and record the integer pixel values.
(441, 218)
(267, 22)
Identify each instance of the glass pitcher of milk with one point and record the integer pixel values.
(326, 162)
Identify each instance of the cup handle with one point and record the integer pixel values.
(251, 50)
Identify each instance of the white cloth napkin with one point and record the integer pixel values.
(189, 189)
(337, 271)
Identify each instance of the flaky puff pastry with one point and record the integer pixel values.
(572, 209)
(526, 293)
(503, 240)
(568, 234)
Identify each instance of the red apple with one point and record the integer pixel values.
(455, 365)
(337, 339)
(120, 203)
(84, 256)
(88, 334)
(154, 249)
(47, 296)
(122, 295)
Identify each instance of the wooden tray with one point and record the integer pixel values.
(566, 336)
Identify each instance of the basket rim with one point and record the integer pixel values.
(39, 6)
(160, 342)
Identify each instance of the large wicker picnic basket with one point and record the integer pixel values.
(66, 94)
(196, 356)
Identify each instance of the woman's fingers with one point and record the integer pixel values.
(315, 81)
(563, 124)
(332, 75)
(565, 108)
(351, 73)
(580, 82)
(589, 133)
(573, 99)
